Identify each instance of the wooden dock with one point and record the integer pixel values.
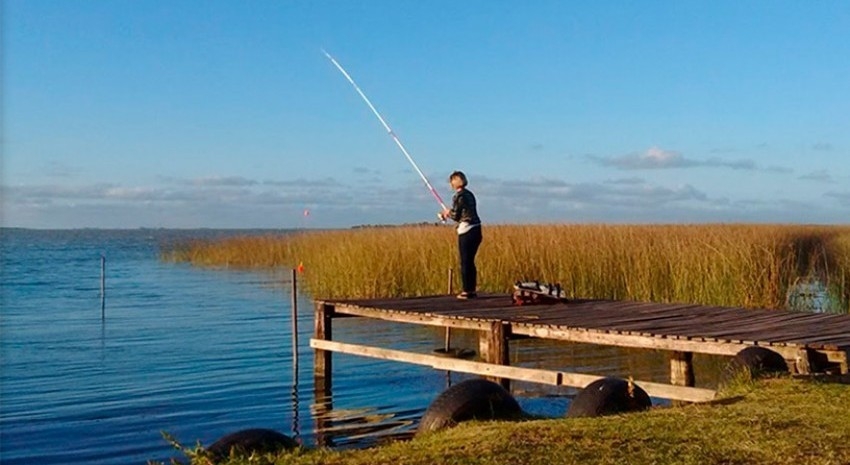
(808, 341)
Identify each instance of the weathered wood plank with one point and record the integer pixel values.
(554, 378)
(414, 318)
(626, 340)
(626, 319)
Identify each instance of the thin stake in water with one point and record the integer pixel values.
(103, 287)
(295, 322)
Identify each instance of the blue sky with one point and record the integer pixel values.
(226, 114)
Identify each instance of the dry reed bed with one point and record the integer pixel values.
(735, 265)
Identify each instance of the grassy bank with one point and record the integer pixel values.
(777, 421)
(738, 265)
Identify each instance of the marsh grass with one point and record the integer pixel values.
(735, 265)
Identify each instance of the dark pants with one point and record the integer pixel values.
(468, 243)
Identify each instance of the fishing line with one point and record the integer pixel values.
(388, 128)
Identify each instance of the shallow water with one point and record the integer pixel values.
(201, 353)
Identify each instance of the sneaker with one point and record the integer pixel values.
(467, 295)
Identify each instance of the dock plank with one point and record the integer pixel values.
(674, 321)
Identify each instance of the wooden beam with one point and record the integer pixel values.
(534, 375)
(426, 319)
(643, 342)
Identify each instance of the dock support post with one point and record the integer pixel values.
(682, 368)
(494, 348)
(448, 329)
(322, 370)
(323, 331)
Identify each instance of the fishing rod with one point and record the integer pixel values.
(388, 128)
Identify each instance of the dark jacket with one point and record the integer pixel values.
(463, 208)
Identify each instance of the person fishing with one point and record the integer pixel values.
(463, 209)
(469, 237)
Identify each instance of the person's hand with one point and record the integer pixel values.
(444, 214)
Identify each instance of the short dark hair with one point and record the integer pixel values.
(459, 174)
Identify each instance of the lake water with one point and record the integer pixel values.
(200, 353)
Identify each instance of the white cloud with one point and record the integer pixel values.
(633, 193)
(652, 158)
(657, 158)
(333, 203)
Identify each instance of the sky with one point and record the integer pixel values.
(226, 114)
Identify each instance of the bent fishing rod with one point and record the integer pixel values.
(388, 128)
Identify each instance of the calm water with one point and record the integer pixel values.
(200, 353)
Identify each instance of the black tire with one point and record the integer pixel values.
(251, 440)
(473, 399)
(752, 363)
(608, 396)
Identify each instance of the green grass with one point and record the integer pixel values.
(774, 421)
(751, 266)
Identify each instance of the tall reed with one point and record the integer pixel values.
(735, 265)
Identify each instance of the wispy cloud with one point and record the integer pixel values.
(212, 199)
(60, 169)
(629, 181)
(224, 181)
(621, 193)
(304, 183)
(778, 169)
(822, 147)
(243, 202)
(822, 176)
(656, 158)
(843, 198)
(653, 158)
(366, 171)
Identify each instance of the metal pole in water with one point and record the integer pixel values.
(295, 320)
(103, 287)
